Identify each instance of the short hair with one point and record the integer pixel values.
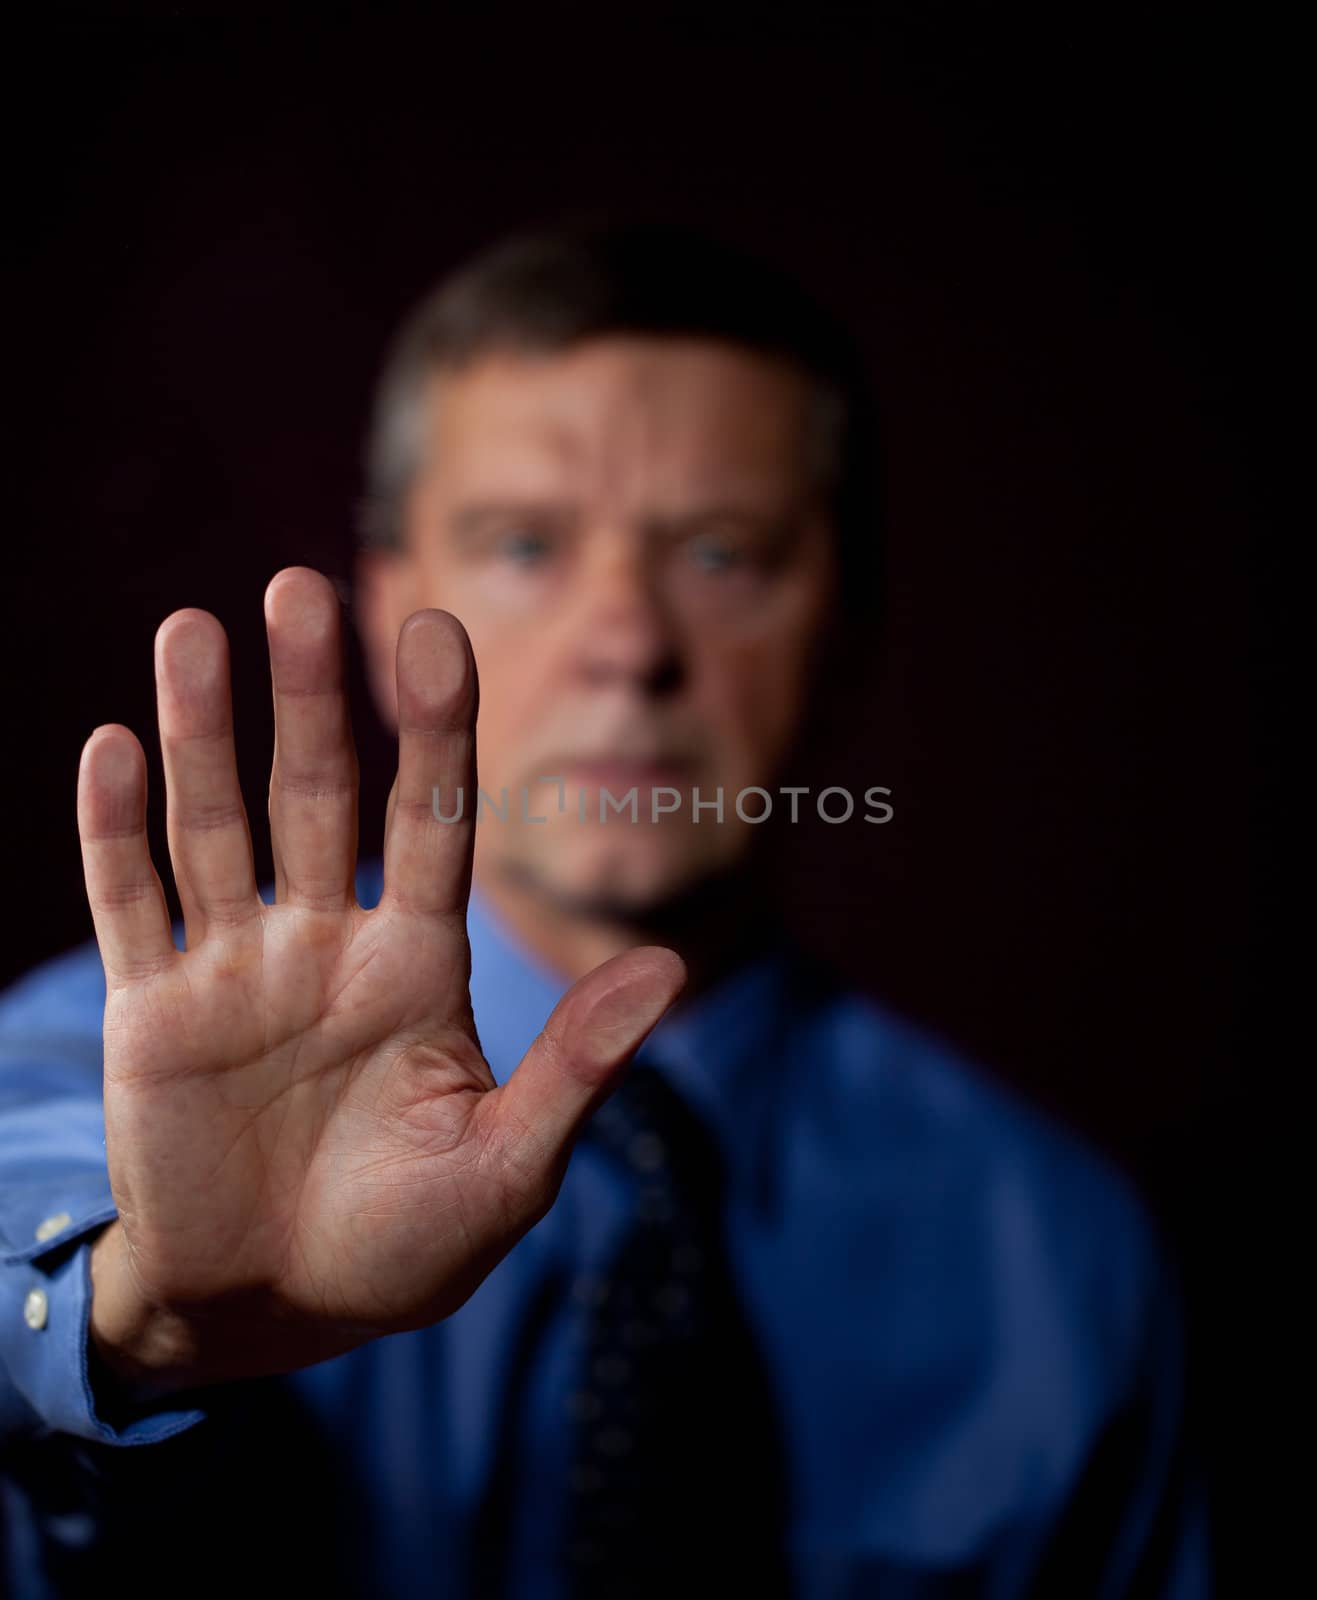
(547, 290)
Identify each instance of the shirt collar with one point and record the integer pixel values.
(716, 1048)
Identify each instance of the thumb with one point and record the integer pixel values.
(575, 1062)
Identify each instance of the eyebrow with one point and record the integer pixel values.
(471, 516)
(721, 511)
(469, 521)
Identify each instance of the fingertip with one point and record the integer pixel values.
(435, 622)
(187, 620)
(296, 592)
(654, 963)
(111, 778)
(436, 669)
(112, 749)
(665, 963)
(618, 1005)
(302, 619)
(191, 646)
(108, 730)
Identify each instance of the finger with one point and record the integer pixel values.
(427, 862)
(209, 842)
(124, 891)
(592, 1033)
(313, 782)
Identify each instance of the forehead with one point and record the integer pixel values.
(630, 415)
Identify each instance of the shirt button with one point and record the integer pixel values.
(53, 1225)
(35, 1309)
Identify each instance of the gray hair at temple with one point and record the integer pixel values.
(547, 290)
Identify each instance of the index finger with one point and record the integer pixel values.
(430, 835)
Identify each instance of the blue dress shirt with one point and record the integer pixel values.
(969, 1323)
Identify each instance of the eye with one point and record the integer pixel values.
(713, 554)
(524, 547)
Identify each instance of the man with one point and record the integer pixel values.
(520, 1214)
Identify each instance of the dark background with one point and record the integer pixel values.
(1062, 246)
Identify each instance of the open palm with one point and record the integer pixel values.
(306, 1146)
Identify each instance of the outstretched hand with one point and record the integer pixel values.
(306, 1146)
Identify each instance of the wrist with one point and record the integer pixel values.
(140, 1351)
(137, 1353)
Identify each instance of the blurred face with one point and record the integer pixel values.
(631, 534)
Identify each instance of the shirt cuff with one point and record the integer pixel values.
(45, 1309)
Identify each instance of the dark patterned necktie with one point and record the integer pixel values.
(677, 1476)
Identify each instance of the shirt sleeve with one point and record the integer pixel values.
(55, 1199)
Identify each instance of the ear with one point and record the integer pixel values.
(385, 594)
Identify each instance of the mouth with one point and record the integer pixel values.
(620, 773)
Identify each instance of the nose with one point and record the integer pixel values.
(625, 634)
